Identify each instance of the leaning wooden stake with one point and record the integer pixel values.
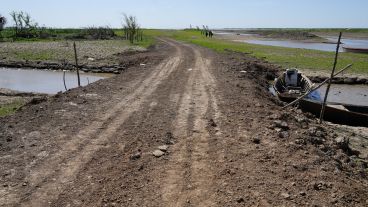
(317, 87)
(76, 63)
(329, 82)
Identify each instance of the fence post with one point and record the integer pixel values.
(76, 63)
(329, 82)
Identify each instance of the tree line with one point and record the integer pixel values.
(24, 27)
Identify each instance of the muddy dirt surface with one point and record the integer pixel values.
(189, 128)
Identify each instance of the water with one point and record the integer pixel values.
(42, 81)
(340, 93)
(348, 94)
(356, 43)
(294, 44)
(359, 43)
(232, 33)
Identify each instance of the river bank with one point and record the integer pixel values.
(115, 61)
(304, 59)
(11, 100)
(99, 56)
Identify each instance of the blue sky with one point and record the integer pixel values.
(180, 14)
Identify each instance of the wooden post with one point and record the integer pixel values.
(329, 82)
(64, 81)
(76, 63)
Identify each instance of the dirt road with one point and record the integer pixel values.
(93, 146)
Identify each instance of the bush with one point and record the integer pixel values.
(93, 33)
(99, 33)
(2, 22)
(24, 25)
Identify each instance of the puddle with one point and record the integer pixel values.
(43, 81)
(348, 94)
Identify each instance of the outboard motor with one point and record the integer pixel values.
(291, 77)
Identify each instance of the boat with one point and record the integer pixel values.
(346, 114)
(291, 85)
(355, 49)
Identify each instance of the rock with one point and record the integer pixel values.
(317, 132)
(321, 185)
(281, 124)
(136, 156)
(301, 120)
(212, 123)
(240, 200)
(158, 153)
(342, 143)
(284, 134)
(256, 140)
(302, 193)
(285, 195)
(163, 148)
(273, 117)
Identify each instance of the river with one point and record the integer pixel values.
(331, 47)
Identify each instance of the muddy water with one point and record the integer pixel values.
(42, 81)
(348, 94)
(340, 93)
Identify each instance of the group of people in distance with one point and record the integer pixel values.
(207, 33)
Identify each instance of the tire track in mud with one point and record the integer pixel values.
(48, 182)
(143, 130)
(190, 177)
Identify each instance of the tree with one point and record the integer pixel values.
(23, 24)
(131, 28)
(2, 22)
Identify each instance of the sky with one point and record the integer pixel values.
(176, 14)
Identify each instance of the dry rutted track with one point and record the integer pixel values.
(223, 149)
(188, 175)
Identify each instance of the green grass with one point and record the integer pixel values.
(285, 57)
(34, 56)
(7, 109)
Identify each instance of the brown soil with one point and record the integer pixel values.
(229, 143)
